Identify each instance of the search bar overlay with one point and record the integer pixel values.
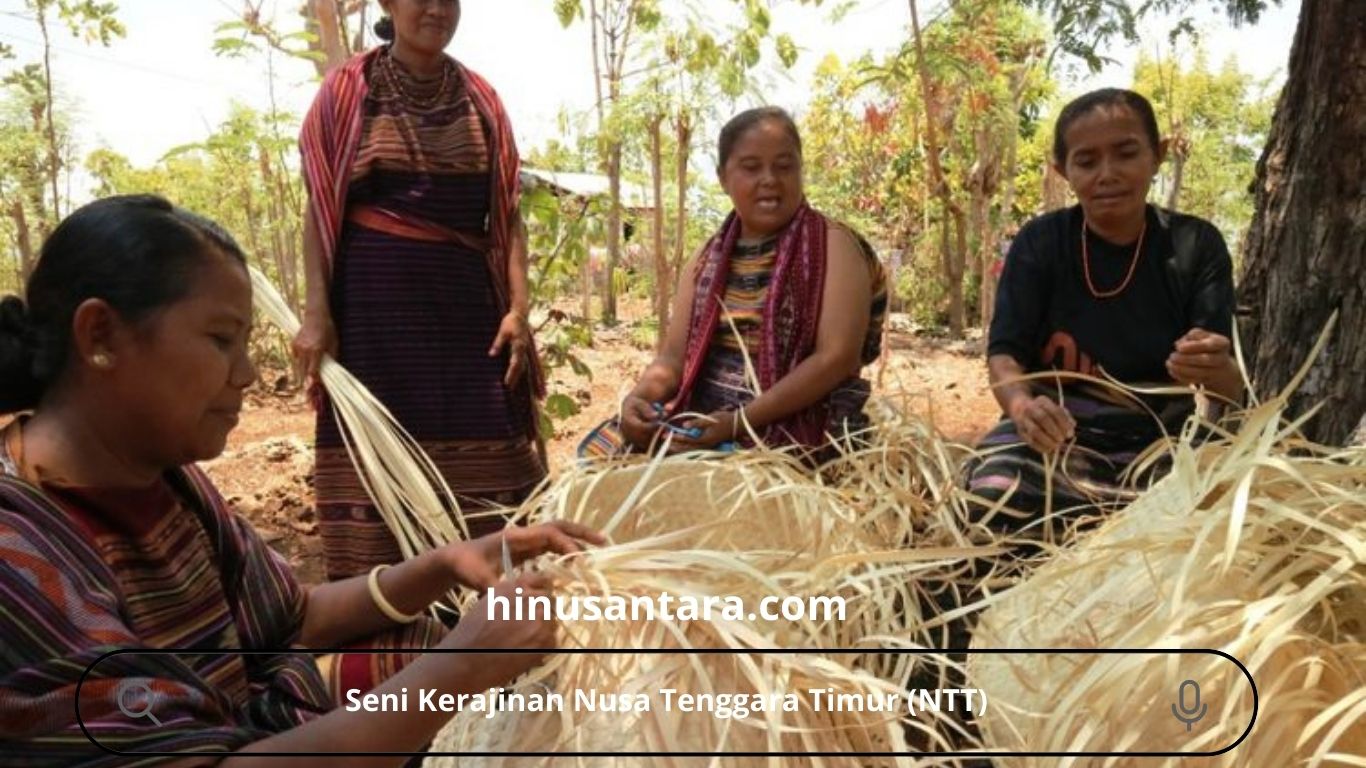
(1010, 700)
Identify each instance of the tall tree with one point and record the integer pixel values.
(23, 164)
(613, 23)
(952, 210)
(235, 177)
(977, 68)
(694, 68)
(1217, 122)
(640, 37)
(86, 19)
(325, 40)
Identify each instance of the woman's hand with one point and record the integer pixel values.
(640, 421)
(1041, 423)
(478, 563)
(1202, 358)
(514, 334)
(317, 336)
(708, 431)
(499, 633)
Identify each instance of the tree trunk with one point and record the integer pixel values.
(1179, 153)
(330, 40)
(597, 62)
(54, 161)
(657, 226)
(285, 266)
(1006, 221)
(1305, 255)
(982, 183)
(609, 291)
(954, 258)
(957, 310)
(1054, 189)
(986, 252)
(253, 226)
(683, 135)
(40, 225)
(24, 240)
(586, 286)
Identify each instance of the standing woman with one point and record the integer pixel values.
(1112, 287)
(417, 275)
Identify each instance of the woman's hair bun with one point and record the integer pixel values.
(19, 389)
(384, 29)
(13, 315)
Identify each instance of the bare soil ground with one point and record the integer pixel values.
(266, 471)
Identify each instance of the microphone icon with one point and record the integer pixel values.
(1196, 711)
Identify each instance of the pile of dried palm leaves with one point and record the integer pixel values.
(881, 525)
(1253, 545)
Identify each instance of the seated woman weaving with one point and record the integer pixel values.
(780, 286)
(1111, 288)
(127, 364)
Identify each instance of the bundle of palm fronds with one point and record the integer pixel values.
(1254, 545)
(411, 495)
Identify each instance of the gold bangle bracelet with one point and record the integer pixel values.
(385, 607)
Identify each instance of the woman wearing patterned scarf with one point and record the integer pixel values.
(773, 319)
(143, 621)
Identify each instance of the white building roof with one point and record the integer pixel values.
(590, 185)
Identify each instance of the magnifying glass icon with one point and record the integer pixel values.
(134, 692)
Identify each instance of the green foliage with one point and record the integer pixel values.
(561, 406)
(560, 231)
(37, 142)
(558, 338)
(237, 176)
(865, 137)
(1085, 28)
(920, 290)
(568, 11)
(1220, 120)
(86, 19)
(645, 332)
(26, 205)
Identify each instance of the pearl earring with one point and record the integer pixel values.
(100, 360)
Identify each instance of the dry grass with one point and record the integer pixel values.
(1253, 544)
(882, 526)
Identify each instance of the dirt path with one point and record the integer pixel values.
(266, 470)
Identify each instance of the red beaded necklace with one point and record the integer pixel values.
(1086, 263)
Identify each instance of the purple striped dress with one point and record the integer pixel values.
(415, 319)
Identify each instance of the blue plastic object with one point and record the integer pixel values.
(689, 432)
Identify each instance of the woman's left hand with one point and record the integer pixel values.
(712, 430)
(514, 333)
(479, 563)
(1201, 358)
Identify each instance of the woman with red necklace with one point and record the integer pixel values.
(1110, 289)
(417, 276)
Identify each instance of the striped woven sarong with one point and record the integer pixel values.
(1089, 476)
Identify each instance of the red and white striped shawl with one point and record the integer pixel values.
(330, 140)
